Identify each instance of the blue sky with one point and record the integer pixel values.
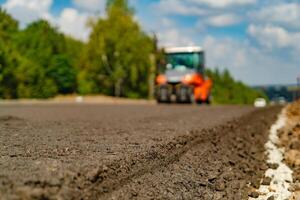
(257, 40)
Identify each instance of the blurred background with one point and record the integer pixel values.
(117, 47)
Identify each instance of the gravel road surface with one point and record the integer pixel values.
(77, 151)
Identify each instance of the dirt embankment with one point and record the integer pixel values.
(290, 140)
(132, 152)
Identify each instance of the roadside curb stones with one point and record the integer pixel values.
(278, 177)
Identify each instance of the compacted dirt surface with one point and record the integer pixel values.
(78, 151)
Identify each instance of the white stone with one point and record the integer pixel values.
(282, 176)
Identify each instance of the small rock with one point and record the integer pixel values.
(220, 186)
(255, 184)
(292, 157)
(271, 189)
(231, 162)
(266, 181)
(105, 168)
(203, 184)
(254, 194)
(94, 175)
(296, 187)
(273, 165)
(264, 167)
(295, 145)
(105, 189)
(135, 194)
(271, 198)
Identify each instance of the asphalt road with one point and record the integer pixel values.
(73, 151)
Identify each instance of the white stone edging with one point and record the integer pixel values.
(282, 176)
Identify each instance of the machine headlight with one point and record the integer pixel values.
(189, 78)
(161, 79)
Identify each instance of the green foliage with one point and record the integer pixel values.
(37, 62)
(33, 82)
(86, 84)
(8, 56)
(8, 63)
(40, 42)
(228, 91)
(8, 26)
(63, 74)
(117, 57)
(122, 5)
(54, 54)
(73, 50)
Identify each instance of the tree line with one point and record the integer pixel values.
(119, 60)
(37, 62)
(227, 90)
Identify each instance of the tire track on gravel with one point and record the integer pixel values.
(162, 157)
(102, 179)
(235, 151)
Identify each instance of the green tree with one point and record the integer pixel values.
(63, 74)
(33, 82)
(8, 56)
(73, 50)
(121, 4)
(55, 55)
(8, 26)
(116, 60)
(8, 63)
(37, 62)
(40, 42)
(228, 91)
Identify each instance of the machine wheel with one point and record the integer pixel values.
(192, 99)
(208, 100)
(163, 95)
(185, 94)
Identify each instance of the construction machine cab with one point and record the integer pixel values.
(185, 58)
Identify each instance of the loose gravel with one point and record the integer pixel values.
(132, 152)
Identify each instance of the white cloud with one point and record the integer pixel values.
(173, 37)
(179, 8)
(249, 64)
(193, 7)
(27, 11)
(223, 20)
(74, 23)
(286, 15)
(274, 36)
(70, 20)
(167, 31)
(224, 52)
(166, 22)
(223, 3)
(197, 7)
(91, 5)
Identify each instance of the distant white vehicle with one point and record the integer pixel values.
(260, 103)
